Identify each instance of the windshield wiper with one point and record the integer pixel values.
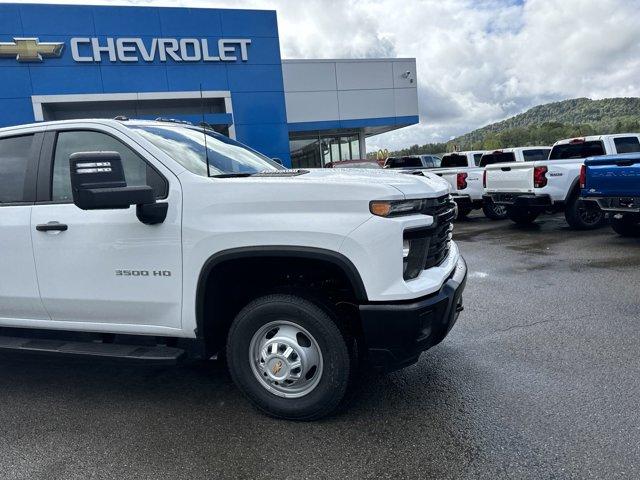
(232, 175)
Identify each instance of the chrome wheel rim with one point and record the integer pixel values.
(286, 359)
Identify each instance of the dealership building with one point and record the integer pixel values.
(66, 61)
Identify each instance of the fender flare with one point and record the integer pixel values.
(312, 253)
(572, 188)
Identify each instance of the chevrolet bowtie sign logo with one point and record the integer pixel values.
(30, 49)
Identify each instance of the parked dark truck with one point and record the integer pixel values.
(613, 181)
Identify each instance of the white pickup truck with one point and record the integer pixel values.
(158, 241)
(529, 189)
(464, 172)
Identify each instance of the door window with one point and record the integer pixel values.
(15, 156)
(136, 171)
(627, 144)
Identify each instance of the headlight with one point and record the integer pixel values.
(394, 208)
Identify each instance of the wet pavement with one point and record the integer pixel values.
(539, 379)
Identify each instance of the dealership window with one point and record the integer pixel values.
(316, 151)
(305, 152)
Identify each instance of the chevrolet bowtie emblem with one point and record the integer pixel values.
(30, 49)
(276, 368)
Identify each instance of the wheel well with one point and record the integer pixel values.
(574, 190)
(228, 284)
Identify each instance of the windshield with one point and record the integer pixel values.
(454, 160)
(497, 157)
(431, 162)
(186, 145)
(536, 154)
(403, 162)
(577, 150)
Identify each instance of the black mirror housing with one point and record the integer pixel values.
(98, 183)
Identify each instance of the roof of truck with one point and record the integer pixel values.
(594, 138)
(465, 152)
(515, 149)
(102, 121)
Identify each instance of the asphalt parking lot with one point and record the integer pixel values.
(539, 379)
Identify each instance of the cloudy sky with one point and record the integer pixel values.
(478, 61)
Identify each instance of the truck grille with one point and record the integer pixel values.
(442, 209)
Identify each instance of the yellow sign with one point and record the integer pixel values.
(382, 154)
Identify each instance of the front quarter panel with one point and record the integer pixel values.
(227, 214)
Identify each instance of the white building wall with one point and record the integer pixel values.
(325, 90)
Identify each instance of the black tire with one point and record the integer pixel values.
(337, 363)
(583, 215)
(494, 212)
(627, 226)
(463, 212)
(522, 216)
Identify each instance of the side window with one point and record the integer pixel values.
(136, 170)
(627, 144)
(476, 158)
(15, 155)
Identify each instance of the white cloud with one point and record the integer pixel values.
(478, 60)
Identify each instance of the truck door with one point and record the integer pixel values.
(19, 296)
(104, 270)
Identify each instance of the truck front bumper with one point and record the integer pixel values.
(397, 333)
(519, 200)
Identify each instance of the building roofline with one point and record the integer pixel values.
(346, 60)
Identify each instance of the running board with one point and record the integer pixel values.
(156, 354)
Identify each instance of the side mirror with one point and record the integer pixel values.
(277, 160)
(98, 183)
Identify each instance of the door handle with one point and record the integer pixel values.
(52, 227)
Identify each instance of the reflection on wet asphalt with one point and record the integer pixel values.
(540, 378)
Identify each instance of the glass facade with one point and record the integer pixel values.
(316, 151)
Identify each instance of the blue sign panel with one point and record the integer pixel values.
(76, 50)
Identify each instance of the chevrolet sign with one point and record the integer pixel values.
(85, 49)
(178, 50)
(30, 49)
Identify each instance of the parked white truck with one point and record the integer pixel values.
(293, 274)
(464, 172)
(529, 189)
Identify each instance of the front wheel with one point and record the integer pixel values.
(494, 212)
(288, 356)
(627, 226)
(584, 215)
(522, 216)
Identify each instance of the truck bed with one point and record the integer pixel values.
(613, 176)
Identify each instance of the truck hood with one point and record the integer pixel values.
(410, 186)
